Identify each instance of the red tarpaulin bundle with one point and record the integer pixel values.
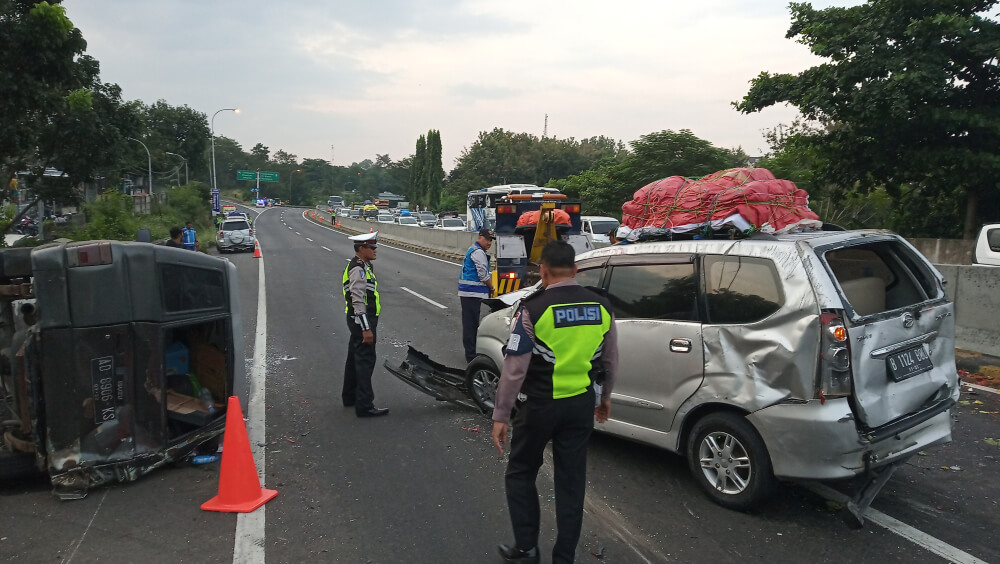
(747, 198)
(531, 218)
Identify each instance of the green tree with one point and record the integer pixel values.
(908, 97)
(433, 171)
(417, 189)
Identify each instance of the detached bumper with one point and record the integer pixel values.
(436, 380)
(813, 441)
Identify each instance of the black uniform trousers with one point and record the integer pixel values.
(471, 312)
(568, 423)
(359, 367)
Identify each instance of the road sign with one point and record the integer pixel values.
(253, 189)
(246, 175)
(215, 200)
(268, 176)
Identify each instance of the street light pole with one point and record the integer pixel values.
(290, 184)
(215, 186)
(150, 158)
(185, 167)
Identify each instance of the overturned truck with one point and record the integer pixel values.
(115, 359)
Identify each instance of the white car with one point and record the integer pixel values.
(385, 218)
(408, 221)
(450, 224)
(597, 227)
(987, 249)
(235, 235)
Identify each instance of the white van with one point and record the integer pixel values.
(988, 245)
(597, 227)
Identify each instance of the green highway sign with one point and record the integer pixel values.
(252, 175)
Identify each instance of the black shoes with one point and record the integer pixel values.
(374, 412)
(513, 555)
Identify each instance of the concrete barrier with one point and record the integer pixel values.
(944, 251)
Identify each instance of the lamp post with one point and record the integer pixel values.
(185, 168)
(290, 184)
(215, 186)
(150, 158)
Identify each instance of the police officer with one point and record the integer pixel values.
(474, 284)
(563, 341)
(363, 308)
(190, 238)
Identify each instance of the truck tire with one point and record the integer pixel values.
(729, 461)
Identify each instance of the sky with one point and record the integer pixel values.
(348, 80)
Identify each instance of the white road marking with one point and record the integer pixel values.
(331, 250)
(297, 233)
(980, 388)
(912, 534)
(289, 226)
(425, 298)
(91, 522)
(250, 527)
(308, 239)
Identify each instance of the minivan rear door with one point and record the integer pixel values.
(901, 327)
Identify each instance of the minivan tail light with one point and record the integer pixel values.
(506, 209)
(835, 358)
(91, 254)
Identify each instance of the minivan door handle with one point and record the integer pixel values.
(680, 345)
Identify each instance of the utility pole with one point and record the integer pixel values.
(545, 130)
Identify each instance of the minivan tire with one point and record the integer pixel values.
(481, 379)
(749, 478)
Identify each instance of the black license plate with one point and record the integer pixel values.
(104, 388)
(908, 363)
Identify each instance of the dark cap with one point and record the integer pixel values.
(488, 233)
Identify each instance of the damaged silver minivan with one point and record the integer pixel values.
(809, 356)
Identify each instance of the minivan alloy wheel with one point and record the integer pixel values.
(725, 463)
(482, 379)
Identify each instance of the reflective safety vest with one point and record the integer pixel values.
(570, 323)
(372, 303)
(188, 237)
(469, 285)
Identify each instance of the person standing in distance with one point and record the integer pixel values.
(563, 341)
(363, 309)
(474, 284)
(190, 238)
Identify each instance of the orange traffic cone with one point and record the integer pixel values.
(371, 230)
(239, 486)
(256, 249)
(320, 218)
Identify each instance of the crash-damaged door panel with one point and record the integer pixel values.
(900, 329)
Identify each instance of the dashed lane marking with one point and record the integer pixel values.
(331, 250)
(425, 298)
(308, 239)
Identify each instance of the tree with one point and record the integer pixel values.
(908, 99)
(54, 109)
(433, 171)
(416, 187)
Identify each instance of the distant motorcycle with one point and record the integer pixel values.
(27, 226)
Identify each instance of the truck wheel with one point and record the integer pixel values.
(481, 378)
(729, 461)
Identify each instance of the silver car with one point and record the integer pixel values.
(236, 235)
(814, 356)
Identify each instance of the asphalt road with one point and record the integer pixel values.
(425, 484)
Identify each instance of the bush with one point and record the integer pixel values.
(110, 217)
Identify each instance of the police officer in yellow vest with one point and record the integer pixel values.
(563, 341)
(362, 309)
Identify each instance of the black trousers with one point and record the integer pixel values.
(359, 367)
(568, 423)
(471, 310)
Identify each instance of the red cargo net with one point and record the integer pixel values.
(748, 198)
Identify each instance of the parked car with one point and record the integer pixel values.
(408, 221)
(819, 355)
(426, 219)
(235, 235)
(450, 224)
(988, 245)
(597, 227)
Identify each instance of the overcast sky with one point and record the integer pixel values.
(368, 77)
